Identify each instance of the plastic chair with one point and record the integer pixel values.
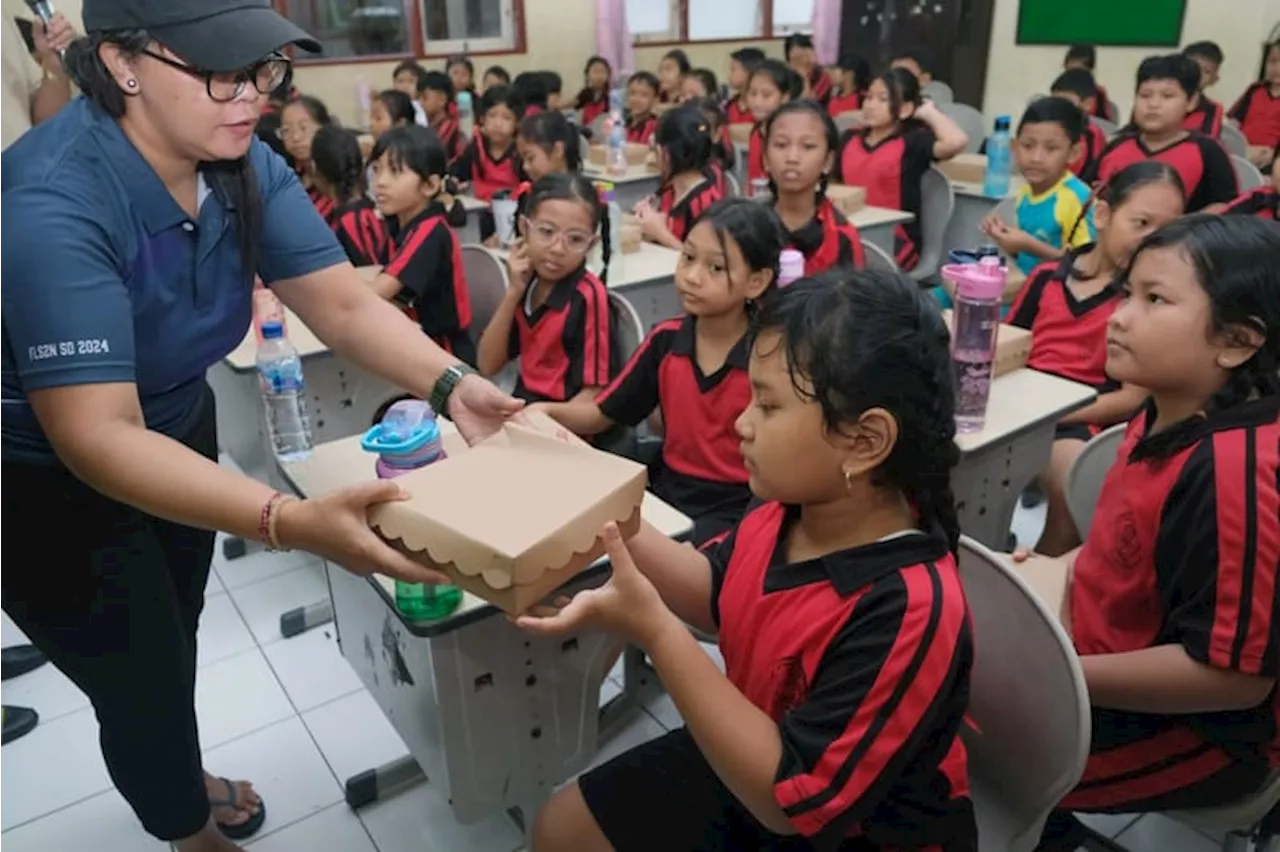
(848, 121)
(1248, 177)
(937, 204)
(1084, 479)
(487, 284)
(1233, 140)
(1028, 702)
(731, 185)
(630, 330)
(878, 259)
(1113, 112)
(970, 121)
(1255, 820)
(938, 92)
(1108, 128)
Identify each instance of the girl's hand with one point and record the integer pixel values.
(652, 223)
(628, 604)
(336, 528)
(1010, 240)
(520, 267)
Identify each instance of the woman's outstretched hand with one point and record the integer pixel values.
(478, 408)
(336, 528)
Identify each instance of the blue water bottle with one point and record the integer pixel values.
(999, 160)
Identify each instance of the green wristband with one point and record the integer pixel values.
(446, 384)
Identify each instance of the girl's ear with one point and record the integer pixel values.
(757, 283)
(1101, 214)
(557, 150)
(432, 186)
(906, 111)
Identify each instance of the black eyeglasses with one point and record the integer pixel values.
(223, 86)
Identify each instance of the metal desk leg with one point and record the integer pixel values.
(988, 483)
(387, 780)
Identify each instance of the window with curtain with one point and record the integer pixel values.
(717, 20)
(358, 28)
(792, 16)
(724, 19)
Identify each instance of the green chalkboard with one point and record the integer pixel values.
(1113, 23)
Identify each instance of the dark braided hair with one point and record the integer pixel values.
(856, 340)
(1237, 263)
(832, 133)
(758, 233)
(574, 186)
(335, 153)
(547, 128)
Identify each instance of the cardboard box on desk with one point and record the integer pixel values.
(515, 517)
(847, 199)
(965, 168)
(1013, 346)
(637, 154)
(740, 134)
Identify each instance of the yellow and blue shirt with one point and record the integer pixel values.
(1056, 217)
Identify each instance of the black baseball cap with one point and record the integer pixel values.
(212, 35)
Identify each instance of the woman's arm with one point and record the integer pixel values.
(951, 140)
(1110, 408)
(1166, 680)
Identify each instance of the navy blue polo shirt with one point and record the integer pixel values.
(107, 279)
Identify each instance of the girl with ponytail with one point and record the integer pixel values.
(340, 178)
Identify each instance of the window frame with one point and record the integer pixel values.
(680, 33)
(419, 47)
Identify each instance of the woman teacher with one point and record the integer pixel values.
(136, 220)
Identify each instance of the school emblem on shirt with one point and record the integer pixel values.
(1126, 548)
(792, 684)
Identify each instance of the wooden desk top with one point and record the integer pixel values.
(973, 189)
(634, 174)
(1022, 400)
(651, 263)
(871, 217)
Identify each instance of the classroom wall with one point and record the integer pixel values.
(1238, 26)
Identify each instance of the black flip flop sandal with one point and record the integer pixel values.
(243, 830)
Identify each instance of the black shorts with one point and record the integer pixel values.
(663, 795)
(1073, 432)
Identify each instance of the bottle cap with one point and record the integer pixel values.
(407, 427)
(1003, 122)
(984, 280)
(790, 267)
(272, 330)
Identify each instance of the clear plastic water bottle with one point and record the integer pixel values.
(408, 438)
(760, 190)
(466, 115)
(999, 160)
(790, 267)
(284, 395)
(617, 162)
(975, 324)
(615, 232)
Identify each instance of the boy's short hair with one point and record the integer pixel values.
(648, 78)
(552, 81)
(435, 81)
(1085, 54)
(1204, 50)
(1172, 66)
(747, 56)
(1055, 111)
(1077, 81)
(921, 57)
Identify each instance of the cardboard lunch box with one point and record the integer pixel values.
(516, 516)
(847, 199)
(740, 134)
(965, 168)
(1013, 346)
(637, 154)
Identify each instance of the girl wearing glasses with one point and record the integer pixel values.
(136, 221)
(556, 315)
(299, 121)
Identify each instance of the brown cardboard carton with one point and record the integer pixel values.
(632, 238)
(965, 168)
(740, 134)
(637, 155)
(515, 517)
(847, 199)
(1013, 346)
(598, 155)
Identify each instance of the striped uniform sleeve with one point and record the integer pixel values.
(884, 692)
(852, 253)
(1261, 202)
(633, 394)
(683, 216)
(1022, 313)
(1218, 182)
(588, 335)
(1217, 549)
(418, 262)
(1074, 218)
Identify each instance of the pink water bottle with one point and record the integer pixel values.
(790, 267)
(975, 324)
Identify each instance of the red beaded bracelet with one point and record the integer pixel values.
(267, 520)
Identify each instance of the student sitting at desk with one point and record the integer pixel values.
(802, 142)
(1085, 58)
(556, 317)
(698, 83)
(723, 155)
(339, 175)
(491, 162)
(694, 368)
(404, 78)
(1079, 87)
(642, 97)
(1052, 207)
(1166, 85)
(686, 155)
(424, 274)
(742, 64)
(840, 612)
(435, 93)
(900, 138)
(1258, 110)
(1263, 202)
(802, 56)
(593, 100)
(548, 145)
(1066, 305)
(1172, 599)
(855, 77)
(772, 84)
(1206, 115)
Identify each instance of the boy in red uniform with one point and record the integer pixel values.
(1206, 115)
(1079, 87)
(742, 64)
(1086, 56)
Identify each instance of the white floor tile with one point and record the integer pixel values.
(354, 735)
(1156, 833)
(104, 823)
(335, 829)
(664, 712)
(48, 690)
(237, 696)
(311, 668)
(1108, 825)
(255, 566)
(286, 769)
(261, 604)
(57, 764)
(640, 729)
(9, 632)
(420, 820)
(214, 586)
(222, 632)
(1028, 524)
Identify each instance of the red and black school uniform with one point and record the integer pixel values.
(1203, 165)
(1102, 104)
(427, 261)
(324, 204)
(1184, 550)
(862, 659)
(1092, 144)
(450, 133)
(640, 130)
(683, 212)
(486, 173)
(828, 240)
(700, 471)
(822, 85)
(756, 169)
(844, 102)
(1206, 118)
(736, 112)
(1263, 202)
(891, 171)
(593, 104)
(566, 343)
(1258, 113)
(1068, 335)
(361, 232)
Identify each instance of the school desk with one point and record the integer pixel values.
(972, 206)
(496, 716)
(631, 188)
(876, 225)
(1013, 448)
